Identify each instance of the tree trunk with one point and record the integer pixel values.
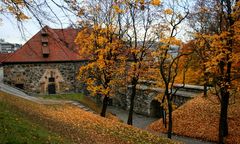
(223, 121)
(205, 89)
(205, 82)
(104, 106)
(169, 119)
(164, 117)
(130, 114)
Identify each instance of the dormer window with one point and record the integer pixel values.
(44, 41)
(45, 49)
(44, 44)
(45, 55)
(44, 33)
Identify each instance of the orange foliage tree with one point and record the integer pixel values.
(203, 20)
(168, 55)
(99, 42)
(106, 62)
(222, 54)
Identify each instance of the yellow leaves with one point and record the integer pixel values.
(203, 9)
(171, 41)
(78, 125)
(16, 8)
(95, 88)
(104, 50)
(18, 14)
(102, 40)
(168, 11)
(117, 9)
(140, 1)
(135, 51)
(155, 2)
(154, 54)
(81, 12)
(159, 97)
(11, 8)
(101, 64)
(236, 12)
(216, 49)
(22, 16)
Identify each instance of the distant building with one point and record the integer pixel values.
(6, 47)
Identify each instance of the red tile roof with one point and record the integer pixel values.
(58, 44)
(3, 56)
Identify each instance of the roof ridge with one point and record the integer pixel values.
(57, 38)
(62, 41)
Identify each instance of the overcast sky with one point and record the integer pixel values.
(10, 32)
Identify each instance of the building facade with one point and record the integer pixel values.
(47, 64)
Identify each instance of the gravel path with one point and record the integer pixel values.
(141, 121)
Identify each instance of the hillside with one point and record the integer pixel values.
(79, 126)
(199, 118)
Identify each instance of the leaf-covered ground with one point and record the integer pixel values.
(15, 129)
(78, 125)
(199, 118)
(76, 97)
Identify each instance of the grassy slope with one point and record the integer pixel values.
(80, 126)
(16, 129)
(199, 118)
(76, 97)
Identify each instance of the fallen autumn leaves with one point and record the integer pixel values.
(199, 118)
(78, 125)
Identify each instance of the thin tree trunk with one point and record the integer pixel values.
(169, 119)
(104, 106)
(205, 89)
(130, 115)
(205, 82)
(223, 121)
(163, 117)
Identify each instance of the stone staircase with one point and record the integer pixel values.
(83, 107)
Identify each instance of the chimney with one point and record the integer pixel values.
(45, 48)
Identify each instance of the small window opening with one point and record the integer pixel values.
(20, 86)
(51, 79)
(45, 44)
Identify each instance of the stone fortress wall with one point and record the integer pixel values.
(145, 102)
(60, 78)
(37, 78)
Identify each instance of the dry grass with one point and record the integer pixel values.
(199, 118)
(78, 125)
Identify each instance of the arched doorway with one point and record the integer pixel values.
(155, 109)
(51, 89)
(50, 82)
